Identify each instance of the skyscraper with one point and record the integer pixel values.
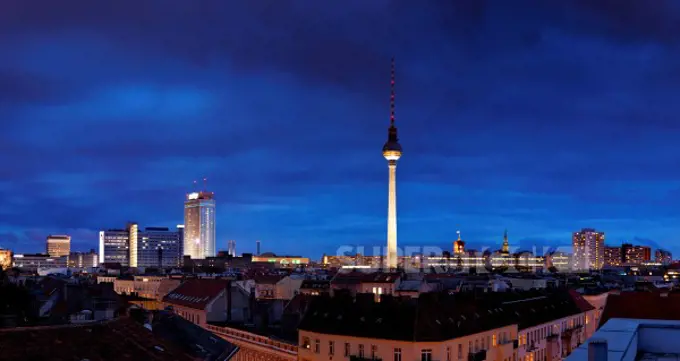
(588, 249)
(199, 225)
(134, 247)
(392, 153)
(58, 245)
(231, 248)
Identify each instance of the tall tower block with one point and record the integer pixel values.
(392, 152)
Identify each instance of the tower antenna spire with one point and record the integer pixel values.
(392, 85)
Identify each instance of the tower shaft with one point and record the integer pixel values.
(392, 216)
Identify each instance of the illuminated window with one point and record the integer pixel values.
(493, 340)
(587, 320)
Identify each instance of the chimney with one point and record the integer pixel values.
(597, 349)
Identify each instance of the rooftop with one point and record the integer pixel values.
(196, 293)
(642, 305)
(634, 340)
(120, 339)
(435, 316)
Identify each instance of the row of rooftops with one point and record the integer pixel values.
(437, 316)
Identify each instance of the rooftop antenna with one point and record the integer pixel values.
(392, 81)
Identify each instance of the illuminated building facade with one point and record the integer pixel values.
(634, 254)
(612, 256)
(114, 246)
(588, 247)
(151, 247)
(199, 225)
(159, 247)
(58, 245)
(5, 259)
(35, 262)
(662, 256)
(392, 152)
(231, 248)
(458, 245)
(83, 259)
(281, 261)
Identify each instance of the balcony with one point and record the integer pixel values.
(477, 356)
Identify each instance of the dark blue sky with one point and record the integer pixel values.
(540, 117)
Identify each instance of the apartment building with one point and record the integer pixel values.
(436, 326)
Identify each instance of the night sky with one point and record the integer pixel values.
(541, 117)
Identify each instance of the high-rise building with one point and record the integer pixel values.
(151, 247)
(612, 256)
(83, 259)
(588, 249)
(662, 256)
(635, 254)
(58, 245)
(458, 245)
(231, 250)
(159, 247)
(257, 248)
(392, 152)
(199, 225)
(114, 246)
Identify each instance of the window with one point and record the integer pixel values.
(305, 342)
(426, 355)
(397, 354)
(448, 353)
(374, 352)
(346, 349)
(587, 320)
(493, 340)
(460, 351)
(331, 347)
(361, 351)
(476, 345)
(317, 346)
(488, 342)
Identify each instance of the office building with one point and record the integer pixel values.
(392, 152)
(38, 261)
(159, 247)
(83, 259)
(114, 246)
(134, 247)
(634, 254)
(588, 247)
(199, 225)
(58, 245)
(612, 256)
(664, 257)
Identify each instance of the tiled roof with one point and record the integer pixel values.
(315, 285)
(196, 293)
(357, 277)
(267, 279)
(435, 316)
(120, 339)
(642, 305)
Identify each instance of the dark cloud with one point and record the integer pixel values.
(535, 116)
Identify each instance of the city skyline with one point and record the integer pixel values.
(543, 130)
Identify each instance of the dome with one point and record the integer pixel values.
(392, 146)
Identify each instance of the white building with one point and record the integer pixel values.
(199, 225)
(622, 339)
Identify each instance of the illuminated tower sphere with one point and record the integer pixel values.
(392, 153)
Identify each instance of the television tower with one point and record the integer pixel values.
(392, 153)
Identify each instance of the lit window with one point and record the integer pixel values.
(493, 340)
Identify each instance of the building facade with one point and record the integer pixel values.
(58, 245)
(588, 247)
(664, 257)
(612, 256)
(83, 259)
(36, 262)
(135, 247)
(5, 259)
(159, 247)
(199, 225)
(635, 254)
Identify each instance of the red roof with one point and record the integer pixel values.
(196, 293)
(581, 302)
(642, 305)
(120, 339)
